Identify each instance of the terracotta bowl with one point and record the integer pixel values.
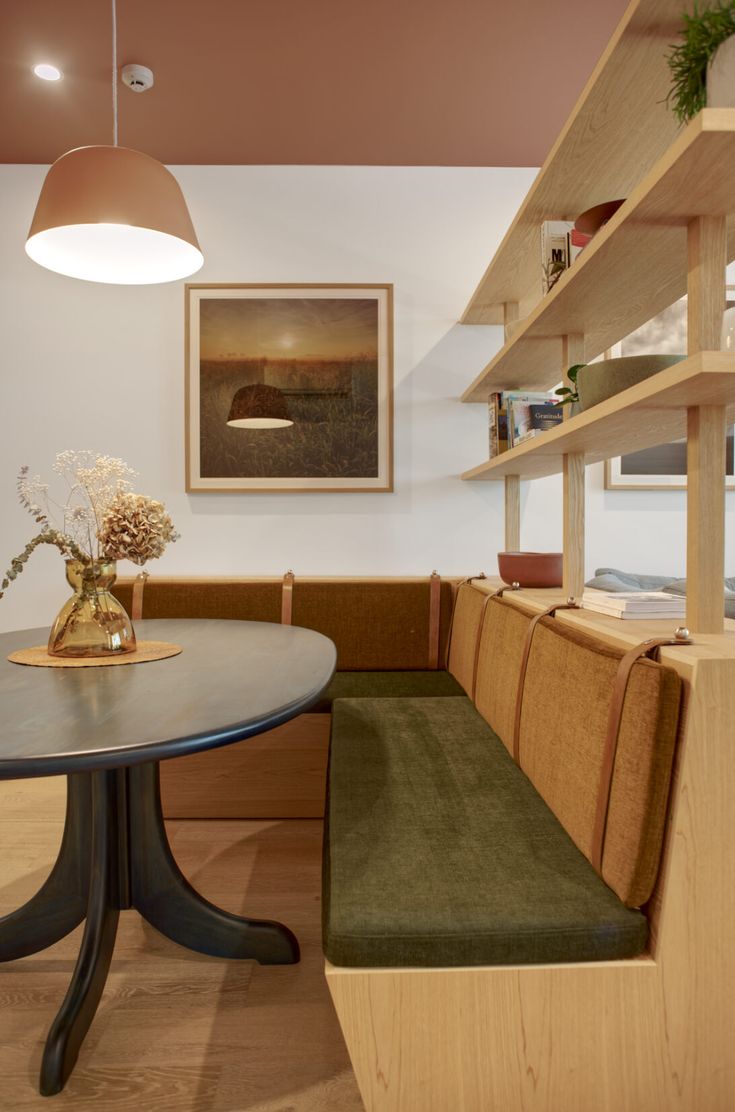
(594, 218)
(598, 381)
(531, 569)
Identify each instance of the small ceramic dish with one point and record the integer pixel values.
(531, 569)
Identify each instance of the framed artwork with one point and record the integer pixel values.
(663, 467)
(289, 388)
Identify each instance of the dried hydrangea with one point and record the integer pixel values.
(135, 528)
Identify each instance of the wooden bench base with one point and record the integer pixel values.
(279, 774)
(653, 1034)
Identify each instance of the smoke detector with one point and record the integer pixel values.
(137, 78)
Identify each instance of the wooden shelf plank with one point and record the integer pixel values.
(633, 268)
(617, 130)
(653, 412)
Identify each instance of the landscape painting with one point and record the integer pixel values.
(663, 467)
(289, 388)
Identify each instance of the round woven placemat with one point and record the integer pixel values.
(39, 656)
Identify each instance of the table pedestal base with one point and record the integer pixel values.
(115, 855)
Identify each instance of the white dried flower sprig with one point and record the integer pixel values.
(136, 528)
(101, 518)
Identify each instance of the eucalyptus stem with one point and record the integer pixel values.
(65, 544)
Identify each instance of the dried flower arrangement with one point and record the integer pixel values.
(101, 518)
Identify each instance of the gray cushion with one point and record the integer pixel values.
(611, 579)
(439, 851)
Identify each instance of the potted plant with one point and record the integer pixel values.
(703, 64)
(568, 395)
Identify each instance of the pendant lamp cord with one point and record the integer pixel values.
(114, 73)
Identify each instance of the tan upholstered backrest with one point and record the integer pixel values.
(376, 624)
(468, 612)
(501, 646)
(566, 699)
(254, 600)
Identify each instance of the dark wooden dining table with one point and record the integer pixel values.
(106, 729)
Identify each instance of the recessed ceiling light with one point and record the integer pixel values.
(47, 72)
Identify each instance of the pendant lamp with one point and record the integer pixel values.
(259, 407)
(111, 214)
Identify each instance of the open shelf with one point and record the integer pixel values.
(617, 130)
(653, 412)
(634, 267)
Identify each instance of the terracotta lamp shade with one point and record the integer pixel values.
(111, 214)
(259, 407)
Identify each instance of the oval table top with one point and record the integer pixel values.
(232, 680)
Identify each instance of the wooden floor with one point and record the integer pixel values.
(176, 1031)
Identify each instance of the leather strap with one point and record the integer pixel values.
(645, 649)
(570, 605)
(435, 598)
(476, 665)
(455, 596)
(287, 598)
(136, 604)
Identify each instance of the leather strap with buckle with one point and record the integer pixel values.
(549, 613)
(648, 649)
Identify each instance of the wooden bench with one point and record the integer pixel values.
(485, 951)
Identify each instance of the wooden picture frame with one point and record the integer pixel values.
(325, 352)
(662, 467)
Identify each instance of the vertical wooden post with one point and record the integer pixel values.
(574, 475)
(572, 351)
(510, 314)
(707, 258)
(706, 518)
(512, 513)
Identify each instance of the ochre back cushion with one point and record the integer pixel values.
(377, 625)
(254, 600)
(566, 700)
(468, 612)
(501, 646)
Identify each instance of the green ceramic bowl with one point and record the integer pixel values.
(598, 381)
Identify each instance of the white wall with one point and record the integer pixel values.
(102, 367)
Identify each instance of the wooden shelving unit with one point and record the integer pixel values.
(669, 238)
(633, 268)
(618, 129)
(654, 412)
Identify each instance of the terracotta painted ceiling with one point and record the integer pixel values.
(353, 82)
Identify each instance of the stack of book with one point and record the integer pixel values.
(560, 245)
(516, 416)
(635, 604)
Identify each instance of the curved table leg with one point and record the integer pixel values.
(166, 899)
(90, 973)
(60, 904)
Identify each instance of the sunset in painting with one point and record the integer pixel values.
(322, 355)
(278, 328)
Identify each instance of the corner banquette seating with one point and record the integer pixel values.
(519, 915)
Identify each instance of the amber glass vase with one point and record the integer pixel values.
(92, 622)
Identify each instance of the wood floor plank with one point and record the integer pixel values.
(177, 1031)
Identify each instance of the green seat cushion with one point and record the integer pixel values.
(387, 685)
(440, 852)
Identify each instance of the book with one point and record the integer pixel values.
(576, 243)
(518, 411)
(554, 251)
(635, 604)
(545, 416)
(497, 425)
(492, 424)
